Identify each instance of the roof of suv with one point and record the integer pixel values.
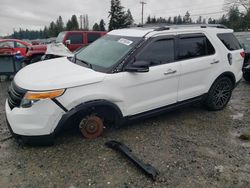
(150, 31)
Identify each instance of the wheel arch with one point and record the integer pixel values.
(87, 107)
(228, 74)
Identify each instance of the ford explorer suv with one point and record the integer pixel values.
(73, 40)
(125, 75)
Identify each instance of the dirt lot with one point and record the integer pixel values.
(191, 147)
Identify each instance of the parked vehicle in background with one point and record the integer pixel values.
(125, 75)
(244, 39)
(73, 40)
(14, 45)
(35, 53)
(77, 39)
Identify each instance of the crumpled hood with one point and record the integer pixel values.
(56, 73)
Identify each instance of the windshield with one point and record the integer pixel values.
(244, 39)
(60, 37)
(107, 51)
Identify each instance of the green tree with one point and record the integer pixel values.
(186, 18)
(69, 25)
(179, 20)
(59, 25)
(117, 15)
(148, 20)
(96, 27)
(129, 18)
(102, 25)
(74, 23)
(52, 29)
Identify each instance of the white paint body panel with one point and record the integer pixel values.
(133, 93)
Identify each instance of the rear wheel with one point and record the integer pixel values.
(246, 76)
(219, 94)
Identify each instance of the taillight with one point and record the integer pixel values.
(243, 54)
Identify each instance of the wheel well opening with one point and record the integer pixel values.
(230, 76)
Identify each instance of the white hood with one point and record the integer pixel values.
(56, 73)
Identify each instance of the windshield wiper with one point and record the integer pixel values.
(84, 62)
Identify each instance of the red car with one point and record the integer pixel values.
(13, 46)
(73, 40)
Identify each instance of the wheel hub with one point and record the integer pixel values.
(91, 127)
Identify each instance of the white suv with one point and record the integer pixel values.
(127, 74)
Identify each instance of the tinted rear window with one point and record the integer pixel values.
(193, 47)
(76, 38)
(93, 36)
(230, 41)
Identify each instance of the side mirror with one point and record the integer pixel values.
(67, 42)
(138, 66)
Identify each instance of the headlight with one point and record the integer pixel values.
(32, 96)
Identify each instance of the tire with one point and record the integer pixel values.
(219, 94)
(246, 76)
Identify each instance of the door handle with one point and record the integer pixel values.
(215, 62)
(170, 71)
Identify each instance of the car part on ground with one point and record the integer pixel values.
(149, 170)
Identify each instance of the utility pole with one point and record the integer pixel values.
(142, 11)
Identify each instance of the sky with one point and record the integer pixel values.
(35, 14)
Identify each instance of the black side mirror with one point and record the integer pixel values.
(138, 66)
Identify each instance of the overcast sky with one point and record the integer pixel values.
(35, 14)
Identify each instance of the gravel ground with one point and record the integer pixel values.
(191, 147)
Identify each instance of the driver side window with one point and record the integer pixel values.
(158, 52)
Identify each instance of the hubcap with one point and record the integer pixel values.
(221, 94)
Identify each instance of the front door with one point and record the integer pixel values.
(158, 87)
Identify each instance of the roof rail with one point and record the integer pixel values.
(162, 27)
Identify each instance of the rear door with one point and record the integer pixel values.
(199, 62)
(76, 41)
(158, 87)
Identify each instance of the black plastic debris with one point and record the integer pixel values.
(149, 170)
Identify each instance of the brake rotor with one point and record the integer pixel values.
(91, 127)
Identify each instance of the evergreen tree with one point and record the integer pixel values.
(169, 20)
(74, 23)
(52, 29)
(59, 24)
(199, 20)
(179, 20)
(148, 20)
(186, 18)
(129, 18)
(117, 15)
(69, 25)
(102, 25)
(175, 20)
(96, 27)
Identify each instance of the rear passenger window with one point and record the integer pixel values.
(76, 38)
(230, 41)
(192, 47)
(159, 52)
(92, 37)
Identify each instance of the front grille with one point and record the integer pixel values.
(16, 95)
